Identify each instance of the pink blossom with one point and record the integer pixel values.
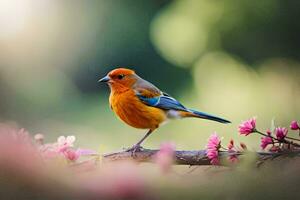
(213, 142)
(275, 148)
(265, 141)
(165, 156)
(233, 158)
(294, 125)
(281, 133)
(247, 127)
(232, 150)
(71, 154)
(63, 147)
(231, 144)
(64, 143)
(212, 148)
(69, 140)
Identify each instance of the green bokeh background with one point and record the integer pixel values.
(235, 59)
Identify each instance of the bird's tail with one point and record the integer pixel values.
(194, 113)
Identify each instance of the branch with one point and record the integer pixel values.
(189, 157)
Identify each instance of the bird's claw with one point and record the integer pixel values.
(134, 149)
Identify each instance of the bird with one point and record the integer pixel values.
(140, 104)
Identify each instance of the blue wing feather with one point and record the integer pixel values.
(163, 101)
(152, 96)
(167, 102)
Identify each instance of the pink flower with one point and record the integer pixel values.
(247, 127)
(165, 157)
(63, 147)
(294, 125)
(64, 143)
(69, 140)
(231, 144)
(281, 132)
(213, 142)
(212, 148)
(71, 154)
(275, 148)
(265, 141)
(232, 150)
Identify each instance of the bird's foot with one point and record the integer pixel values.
(135, 148)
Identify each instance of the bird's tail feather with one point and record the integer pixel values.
(194, 113)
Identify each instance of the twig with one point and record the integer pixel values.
(282, 141)
(188, 157)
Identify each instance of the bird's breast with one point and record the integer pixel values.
(135, 113)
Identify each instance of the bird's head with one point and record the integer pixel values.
(120, 77)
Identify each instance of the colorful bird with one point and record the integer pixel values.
(142, 105)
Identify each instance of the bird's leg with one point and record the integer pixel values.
(137, 147)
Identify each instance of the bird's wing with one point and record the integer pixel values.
(152, 96)
(163, 102)
(146, 88)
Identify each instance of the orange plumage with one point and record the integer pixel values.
(133, 112)
(142, 105)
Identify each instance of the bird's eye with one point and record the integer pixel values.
(120, 76)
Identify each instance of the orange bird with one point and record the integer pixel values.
(142, 105)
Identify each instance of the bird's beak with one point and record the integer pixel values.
(105, 79)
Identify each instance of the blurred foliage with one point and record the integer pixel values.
(253, 30)
(232, 58)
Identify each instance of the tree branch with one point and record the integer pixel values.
(189, 157)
